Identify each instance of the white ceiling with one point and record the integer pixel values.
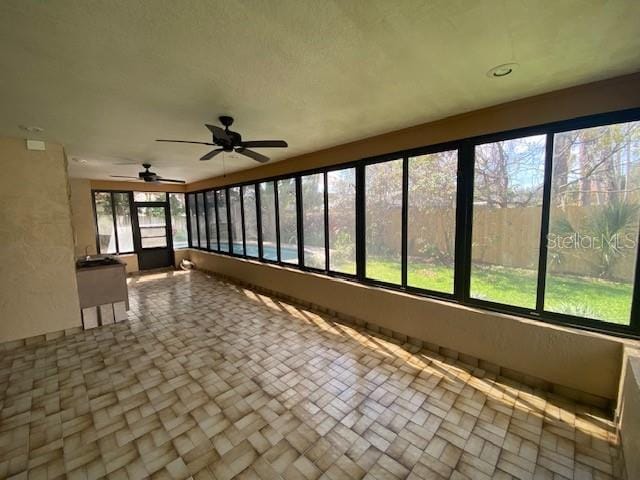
(107, 78)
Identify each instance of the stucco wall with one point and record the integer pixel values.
(579, 360)
(38, 291)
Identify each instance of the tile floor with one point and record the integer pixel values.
(210, 380)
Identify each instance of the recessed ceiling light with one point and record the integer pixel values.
(502, 70)
(31, 128)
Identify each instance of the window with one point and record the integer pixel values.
(193, 220)
(341, 193)
(383, 200)
(392, 221)
(250, 220)
(113, 221)
(149, 197)
(431, 220)
(123, 222)
(202, 225)
(104, 219)
(223, 223)
(235, 212)
(178, 220)
(288, 220)
(313, 220)
(593, 224)
(268, 221)
(210, 200)
(153, 227)
(507, 214)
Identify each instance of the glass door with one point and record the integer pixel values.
(153, 234)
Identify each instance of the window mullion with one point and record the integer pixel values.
(115, 222)
(326, 221)
(360, 223)
(277, 209)
(544, 226)
(404, 214)
(464, 214)
(299, 220)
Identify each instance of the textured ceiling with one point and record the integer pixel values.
(107, 78)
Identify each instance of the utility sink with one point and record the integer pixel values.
(97, 261)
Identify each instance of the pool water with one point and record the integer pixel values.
(288, 254)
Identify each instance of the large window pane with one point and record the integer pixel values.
(268, 221)
(193, 220)
(123, 222)
(210, 199)
(178, 220)
(431, 221)
(104, 216)
(288, 220)
(507, 211)
(250, 220)
(202, 226)
(223, 223)
(236, 221)
(313, 220)
(341, 190)
(593, 224)
(383, 200)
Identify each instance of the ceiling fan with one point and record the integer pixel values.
(230, 141)
(149, 176)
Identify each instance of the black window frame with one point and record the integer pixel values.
(463, 227)
(113, 215)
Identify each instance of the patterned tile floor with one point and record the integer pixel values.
(210, 380)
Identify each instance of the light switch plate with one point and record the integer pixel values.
(36, 145)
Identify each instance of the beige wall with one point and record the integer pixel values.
(38, 291)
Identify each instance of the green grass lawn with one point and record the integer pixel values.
(588, 297)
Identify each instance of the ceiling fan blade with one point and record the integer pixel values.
(171, 180)
(258, 157)
(211, 154)
(123, 176)
(185, 141)
(265, 144)
(218, 133)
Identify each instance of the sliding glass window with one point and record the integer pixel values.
(113, 221)
(104, 217)
(250, 220)
(223, 223)
(178, 220)
(593, 227)
(341, 193)
(383, 220)
(202, 224)
(313, 220)
(288, 220)
(507, 215)
(268, 221)
(550, 221)
(431, 221)
(193, 220)
(210, 200)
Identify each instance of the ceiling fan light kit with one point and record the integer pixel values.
(229, 141)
